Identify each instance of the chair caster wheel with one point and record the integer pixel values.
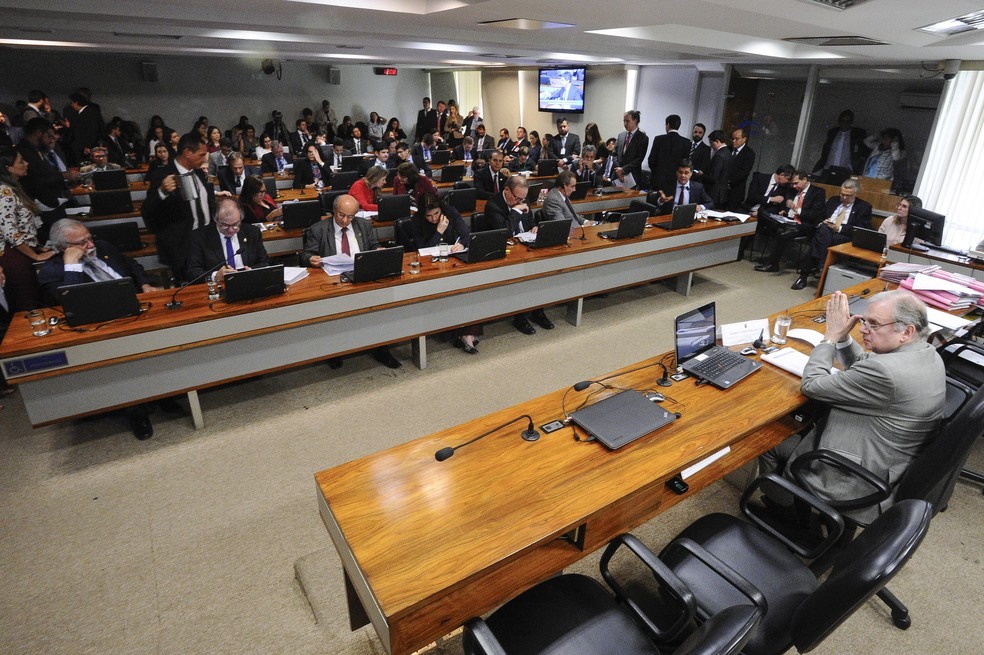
(901, 621)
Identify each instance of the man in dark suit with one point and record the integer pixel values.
(179, 200)
(684, 191)
(231, 177)
(805, 207)
(274, 161)
(120, 150)
(426, 120)
(630, 148)
(668, 151)
(489, 180)
(86, 124)
(442, 116)
(338, 153)
(585, 167)
(300, 138)
(357, 144)
(768, 193)
(217, 244)
(715, 179)
(347, 234)
(43, 182)
(844, 146)
(466, 151)
(841, 216)
(700, 152)
(565, 145)
(482, 140)
(742, 164)
(421, 153)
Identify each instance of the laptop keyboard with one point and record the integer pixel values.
(717, 364)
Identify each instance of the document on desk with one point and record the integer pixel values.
(526, 237)
(788, 359)
(367, 214)
(726, 217)
(945, 321)
(733, 334)
(294, 274)
(812, 337)
(337, 264)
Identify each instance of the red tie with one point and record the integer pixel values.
(625, 146)
(346, 250)
(495, 182)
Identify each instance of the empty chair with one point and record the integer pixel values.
(479, 223)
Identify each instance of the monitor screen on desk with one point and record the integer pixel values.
(924, 225)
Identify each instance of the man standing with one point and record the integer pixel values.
(630, 148)
(805, 207)
(472, 120)
(668, 151)
(716, 177)
(844, 147)
(229, 242)
(426, 120)
(842, 214)
(565, 146)
(742, 163)
(700, 152)
(884, 405)
(44, 182)
(442, 116)
(179, 200)
(86, 124)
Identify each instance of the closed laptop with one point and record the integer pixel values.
(254, 283)
(301, 215)
(98, 302)
(371, 265)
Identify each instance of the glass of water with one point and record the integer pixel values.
(443, 250)
(415, 263)
(780, 328)
(39, 323)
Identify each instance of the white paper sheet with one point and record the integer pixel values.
(733, 334)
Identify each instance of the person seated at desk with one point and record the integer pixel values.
(482, 140)
(842, 214)
(366, 190)
(274, 161)
(257, 205)
(233, 176)
(347, 234)
(806, 207)
(212, 245)
(508, 209)
(338, 152)
(162, 155)
(536, 147)
(465, 152)
(584, 169)
(394, 131)
(557, 204)
(100, 162)
(409, 180)
(685, 191)
(384, 159)
(894, 226)
(770, 192)
(490, 180)
(421, 153)
(522, 163)
(884, 405)
(505, 143)
(264, 147)
(358, 145)
(313, 173)
(220, 158)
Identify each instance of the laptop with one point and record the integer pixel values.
(254, 283)
(371, 265)
(464, 200)
(621, 419)
(394, 207)
(533, 193)
(301, 215)
(344, 180)
(440, 157)
(580, 191)
(632, 225)
(125, 237)
(872, 240)
(98, 302)
(271, 186)
(109, 180)
(107, 203)
(485, 246)
(452, 173)
(546, 167)
(551, 233)
(699, 355)
(683, 217)
(327, 199)
(352, 163)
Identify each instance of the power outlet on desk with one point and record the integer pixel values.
(677, 485)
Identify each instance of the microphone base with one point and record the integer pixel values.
(174, 304)
(663, 383)
(530, 435)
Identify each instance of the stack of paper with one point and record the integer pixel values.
(788, 359)
(294, 274)
(727, 217)
(895, 273)
(943, 292)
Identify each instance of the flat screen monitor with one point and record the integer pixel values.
(561, 90)
(924, 225)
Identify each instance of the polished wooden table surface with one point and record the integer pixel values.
(426, 545)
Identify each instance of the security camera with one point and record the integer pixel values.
(950, 68)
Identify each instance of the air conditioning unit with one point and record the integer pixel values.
(918, 100)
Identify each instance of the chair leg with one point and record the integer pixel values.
(900, 613)
(973, 476)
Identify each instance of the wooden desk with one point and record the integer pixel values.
(426, 545)
(163, 352)
(845, 251)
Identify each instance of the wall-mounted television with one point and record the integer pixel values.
(561, 90)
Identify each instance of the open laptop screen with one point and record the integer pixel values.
(694, 332)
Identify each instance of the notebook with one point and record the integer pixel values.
(622, 418)
(301, 215)
(872, 240)
(107, 203)
(125, 236)
(254, 283)
(699, 355)
(631, 225)
(683, 217)
(551, 233)
(485, 246)
(394, 207)
(98, 302)
(440, 157)
(109, 180)
(371, 265)
(580, 191)
(452, 173)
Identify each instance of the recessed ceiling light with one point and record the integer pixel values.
(958, 25)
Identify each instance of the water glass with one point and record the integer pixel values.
(39, 323)
(780, 328)
(443, 250)
(415, 264)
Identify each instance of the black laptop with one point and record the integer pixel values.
(580, 191)
(344, 180)
(452, 173)
(546, 167)
(352, 163)
(485, 246)
(872, 240)
(464, 200)
(254, 283)
(98, 302)
(271, 186)
(371, 265)
(683, 217)
(107, 203)
(125, 236)
(327, 199)
(109, 180)
(621, 419)
(630, 226)
(551, 233)
(440, 157)
(394, 207)
(301, 215)
(697, 352)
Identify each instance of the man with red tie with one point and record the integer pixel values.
(631, 147)
(805, 208)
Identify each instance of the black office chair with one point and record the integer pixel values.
(962, 358)
(641, 206)
(463, 184)
(573, 614)
(479, 223)
(802, 610)
(403, 233)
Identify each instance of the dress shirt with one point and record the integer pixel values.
(840, 215)
(199, 196)
(350, 234)
(840, 150)
(685, 198)
(95, 268)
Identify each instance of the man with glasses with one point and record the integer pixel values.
(841, 215)
(884, 405)
(229, 242)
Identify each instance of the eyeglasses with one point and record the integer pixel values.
(872, 325)
(229, 226)
(81, 242)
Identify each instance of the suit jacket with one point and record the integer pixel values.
(485, 143)
(859, 151)
(573, 146)
(459, 153)
(426, 123)
(741, 167)
(53, 274)
(303, 175)
(716, 178)
(171, 218)
(319, 239)
(630, 158)
(500, 215)
(41, 182)
(295, 143)
(701, 158)
(698, 194)
(417, 155)
(216, 160)
(268, 162)
(586, 173)
(859, 216)
(482, 181)
(555, 207)
(118, 150)
(87, 127)
(883, 409)
(812, 212)
(668, 151)
(760, 186)
(208, 249)
(227, 181)
(364, 146)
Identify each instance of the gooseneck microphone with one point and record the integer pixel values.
(529, 434)
(176, 304)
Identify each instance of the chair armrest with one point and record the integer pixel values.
(724, 571)
(831, 519)
(668, 580)
(800, 467)
(481, 638)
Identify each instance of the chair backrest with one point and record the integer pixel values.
(479, 222)
(725, 633)
(862, 569)
(964, 360)
(403, 233)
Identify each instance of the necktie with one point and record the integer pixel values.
(280, 164)
(346, 250)
(799, 202)
(356, 147)
(468, 155)
(53, 161)
(230, 253)
(693, 146)
(571, 207)
(97, 273)
(680, 196)
(770, 192)
(839, 218)
(239, 182)
(495, 182)
(625, 146)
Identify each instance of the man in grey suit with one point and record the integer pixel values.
(884, 405)
(557, 204)
(347, 234)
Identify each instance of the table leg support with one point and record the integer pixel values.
(574, 309)
(357, 613)
(196, 409)
(683, 282)
(419, 352)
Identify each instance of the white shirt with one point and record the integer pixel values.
(353, 242)
(202, 199)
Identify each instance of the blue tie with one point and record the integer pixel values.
(230, 254)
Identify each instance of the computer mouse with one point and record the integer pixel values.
(655, 396)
